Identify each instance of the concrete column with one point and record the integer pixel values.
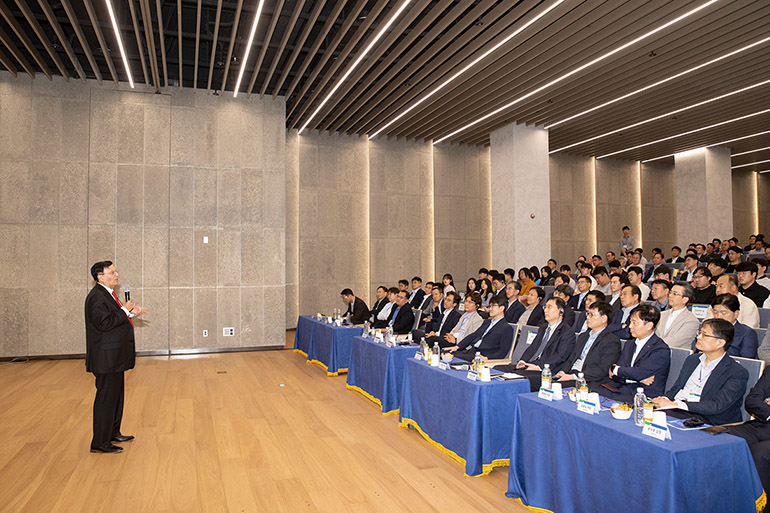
(521, 203)
(703, 195)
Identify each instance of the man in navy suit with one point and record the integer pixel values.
(756, 431)
(595, 351)
(110, 351)
(630, 298)
(745, 342)
(710, 386)
(577, 302)
(493, 339)
(645, 359)
(448, 320)
(553, 344)
(515, 307)
(402, 317)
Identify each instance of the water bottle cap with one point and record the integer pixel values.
(640, 389)
(547, 366)
(580, 374)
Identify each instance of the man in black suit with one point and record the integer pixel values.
(645, 359)
(110, 352)
(402, 317)
(357, 311)
(515, 308)
(630, 298)
(577, 302)
(710, 385)
(498, 282)
(379, 304)
(595, 351)
(448, 320)
(493, 339)
(417, 294)
(756, 431)
(676, 256)
(553, 344)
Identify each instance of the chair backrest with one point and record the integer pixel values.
(522, 345)
(417, 315)
(580, 317)
(764, 317)
(761, 332)
(548, 292)
(678, 356)
(513, 341)
(755, 368)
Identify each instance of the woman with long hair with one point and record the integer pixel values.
(449, 284)
(485, 289)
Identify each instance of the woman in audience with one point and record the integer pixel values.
(535, 274)
(527, 283)
(471, 286)
(486, 292)
(546, 276)
(449, 284)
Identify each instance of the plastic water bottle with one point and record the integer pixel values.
(545, 377)
(582, 387)
(425, 348)
(639, 400)
(422, 346)
(366, 329)
(436, 350)
(478, 362)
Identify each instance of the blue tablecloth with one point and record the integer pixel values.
(567, 461)
(325, 344)
(468, 420)
(376, 371)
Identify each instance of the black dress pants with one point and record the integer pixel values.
(108, 407)
(757, 435)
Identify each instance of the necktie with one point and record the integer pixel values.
(121, 305)
(546, 338)
(395, 314)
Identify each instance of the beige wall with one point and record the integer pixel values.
(92, 173)
(744, 207)
(617, 204)
(658, 208)
(572, 203)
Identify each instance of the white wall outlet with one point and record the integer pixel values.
(205, 239)
(228, 332)
(205, 333)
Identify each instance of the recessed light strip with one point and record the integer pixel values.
(750, 151)
(661, 116)
(356, 63)
(248, 48)
(764, 171)
(661, 82)
(120, 42)
(578, 69)
(751, 164)
(715, 144)
(686, 133)
(468, 66)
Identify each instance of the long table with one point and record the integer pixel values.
(566, 461)
(468, 420)
(325, 344)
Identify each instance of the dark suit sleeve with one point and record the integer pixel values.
(744, 344)
(360, 312)
(597, 369)
(405, 320)
(503, 339)
(565, 345)
(730, 392)
(755, 402)
(529, 353)
(474, 337)
(450, 323)
(102, 316)
(580, 343)
(687, 367)
(655, 363)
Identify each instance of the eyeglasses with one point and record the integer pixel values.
(676, 293)
(702, 334)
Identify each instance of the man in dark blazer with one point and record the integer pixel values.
(552, 345)
(448, 321)
(577, 302)
(536, 296)
(714, 378)
(110, 352)
(515, 307)
(756, 431)
(645, 359)
(745, 341)
(595, 350)
(357, 311)
(379, 304)
(493, 339)
(402, 317)
(417, 294)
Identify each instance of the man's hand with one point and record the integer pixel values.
(521, 364)
(647, 381)
(452, 349)
(565, 377)
(129, 305)
(449, 337)
(431, 334)
(138, 310)
(660, 402)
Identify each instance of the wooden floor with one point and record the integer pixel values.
(235, 432)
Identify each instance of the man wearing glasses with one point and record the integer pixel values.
(493, 339)
(710, 385)
(678, 325)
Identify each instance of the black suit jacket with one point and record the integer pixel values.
(677, 260)
(416, 301)
(603, 353)
(755, 404)
(557, 349)
(109, 334)
(620, 328)
(537, 317)
(358, 311)
(495, 344)
(573, 303)
(450, 323)
(721, 399)
(654, 359)
(377, 308)
(514, 311)
(403, 323)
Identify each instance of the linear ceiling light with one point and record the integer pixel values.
(661, 116)
(248, 48)
(660, 82)
(715, 144)
(686, 133)
(356, 63)
(750, 151)
(120, 42)
(468, 66)
(765, 171)
(577, 70)
(751, 164)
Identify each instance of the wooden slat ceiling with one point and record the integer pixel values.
(303, 47)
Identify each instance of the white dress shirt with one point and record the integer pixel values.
(692, 390)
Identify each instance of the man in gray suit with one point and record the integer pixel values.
(678, 326)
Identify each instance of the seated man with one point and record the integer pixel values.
(402, 317)
(426, 306)
(705, 291)
(749, 314)
(515, 307)
(595, 350)
(659, 291)
(745, 342)
(553, 344)
(602, 278)
(762, 278)
(630, 298)
(734, 254)
(657, 261)
(592, 297)
(663, 273)
(676, 257)
(747, 278)
(577, 302)
(432, 322)
(717, 267)
(678, 326)
(448, 321)
(617, 282)
(498, 282)
(565, 292)
(416, 295)
(535, 310)
(357, 311)
(379, 304)
(382, 318)
(403, 285)
(690, 264)
(756, 431)
(468, 323)
(645, 359)
(635, 278)
(493, 339)
(710, 385)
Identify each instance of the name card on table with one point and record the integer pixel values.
(531, 337)
(418, 355)
(473, 376)
(700, 311)
(443, 366)
(545, 394)
(656, 431)
(587, 407)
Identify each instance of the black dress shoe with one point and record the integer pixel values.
(122, 438)
(106, 448)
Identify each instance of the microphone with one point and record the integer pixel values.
(127, 292)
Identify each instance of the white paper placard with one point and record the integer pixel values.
(473, 376)
(700, 311)
(656, 431)
(586, 407)
(443, 366)
(418, 355)
(531, 336)
(545, 394)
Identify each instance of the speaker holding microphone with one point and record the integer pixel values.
(127, 292)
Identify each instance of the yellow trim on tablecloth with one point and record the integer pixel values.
(300, 351)
(326, 368)
(761, 502)
(532, 508)
(370, 397)
(485, 468)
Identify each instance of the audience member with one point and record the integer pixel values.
(483, 273)
(485, 290)
(382, 299)
(493, 339)
(704, 290)
(749, 315)
(734, 255)
(417, 294)
(690, 264)
(357, 311)
(630, 298)
(627, 242)
(617, 281)
(402, 317)
(535, 308)
(592, 297)
(449, 320)
(676, 257)
(635, 278)
(717, 267)
(747, 278)
(383, 316)
(526, 281)
(427, 302)
(437, 310)
(403, 285)
(471, 286)
(659, 293)
(449, 283)
(499, 285)
(515, 307)
(577, 302)
(678, 325)
(745, 342)
(468, 323)
(565, 292)
(762, 278)
(657, 261)
(602, 278)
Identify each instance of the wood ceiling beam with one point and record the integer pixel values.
(138, 42)
(162, 42)
(62, 38)
(279, 53)
(214, 44)
(8, 42)
(179, 37)
(100, 37)
(82, 38)
(25, 40)
(8, 63)
(197, 44)
(40, 33)
(263, 50)
(232, 44)
(309, 24)
(149, 36)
